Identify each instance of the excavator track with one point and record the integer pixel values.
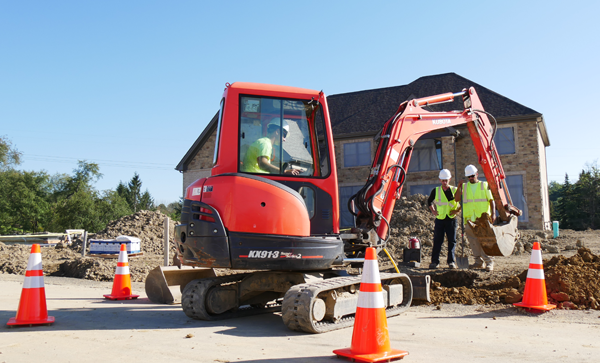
(194, 296)
(299, 301)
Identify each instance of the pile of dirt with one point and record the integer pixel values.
(146, 225)
(411, 218)
(66, 260)
(571, 283)
(574, 282)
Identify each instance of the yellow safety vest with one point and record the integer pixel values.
(443, 205)
(475, 205)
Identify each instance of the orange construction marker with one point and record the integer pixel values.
(32, 306)
(534, 296)
(370, 338)
(122, 283)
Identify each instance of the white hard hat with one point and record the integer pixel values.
(277, 121)
(470, 170)
(445, 174)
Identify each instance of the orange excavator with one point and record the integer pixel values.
(271, 207)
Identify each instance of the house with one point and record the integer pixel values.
(356, 117)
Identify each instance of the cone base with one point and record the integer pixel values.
(15, 322)
(546, 307)
(122, 297)
(393, 354)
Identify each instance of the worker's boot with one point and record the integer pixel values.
(489, 266)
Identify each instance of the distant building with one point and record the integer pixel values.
(356, 118)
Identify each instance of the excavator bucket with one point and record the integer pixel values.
(496, 240)
(164, 285)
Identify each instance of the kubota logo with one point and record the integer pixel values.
(441, 121)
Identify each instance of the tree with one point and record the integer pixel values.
(134, 187)
(146, 201)
(8, 155)
(577, 205)
(24, 201)
(132, 194)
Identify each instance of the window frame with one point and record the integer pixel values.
(357, 143)
(439, 156)
(514, 140)
(344, 212)
(312, 129)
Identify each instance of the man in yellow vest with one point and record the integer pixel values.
(476, 199)
(444, 207)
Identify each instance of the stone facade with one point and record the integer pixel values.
(528, 161)
(201, 164)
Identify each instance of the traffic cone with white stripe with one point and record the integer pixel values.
(32, 307)
(370, 338)
(122, 284)
(534, 296)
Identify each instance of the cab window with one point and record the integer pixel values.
(277, 136)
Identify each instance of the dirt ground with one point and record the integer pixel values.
(571, 261)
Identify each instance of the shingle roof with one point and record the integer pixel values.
(367, 111)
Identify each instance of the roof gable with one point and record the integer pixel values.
(367, 111)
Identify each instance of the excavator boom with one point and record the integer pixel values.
(375, 201)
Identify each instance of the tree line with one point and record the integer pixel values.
(35, 201)
(577, 205)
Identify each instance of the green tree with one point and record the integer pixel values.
(24, 201)
(131, 192)
(8, 155)
(577, 205)
(146, 201)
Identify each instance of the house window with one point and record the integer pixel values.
(426, 155)
(424, 189)
(517, 194)
(346, 218)
(505, 140)
(357, 154)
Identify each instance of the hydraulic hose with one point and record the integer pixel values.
(391, 260)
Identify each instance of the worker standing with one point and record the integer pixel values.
(444, 207)
(476, 199)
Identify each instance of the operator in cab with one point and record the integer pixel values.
(444, 207)
(259, 154)
(476, 199)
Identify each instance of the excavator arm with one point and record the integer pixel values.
(375, 201)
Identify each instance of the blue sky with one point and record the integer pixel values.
(132, 84)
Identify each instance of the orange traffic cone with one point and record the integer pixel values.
(534, 296)
(32, 307)
(122, 284)
(370, 338)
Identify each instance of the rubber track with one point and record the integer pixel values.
(298, 302)
(194, 297)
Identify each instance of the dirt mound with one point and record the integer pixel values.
(411, 218)
(571, 283)
(66, 260)
(146, 225)
(574, 282)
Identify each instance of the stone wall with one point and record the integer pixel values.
(201, 164)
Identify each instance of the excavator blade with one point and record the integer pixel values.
(165, 284)
(496, 240)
